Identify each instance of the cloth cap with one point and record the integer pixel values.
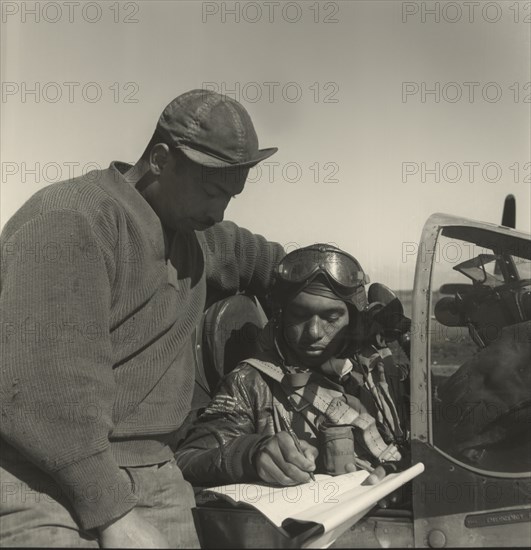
(212, 130)
(284, 292)
(318, 287)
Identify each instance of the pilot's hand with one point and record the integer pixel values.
(377, 475)
(374, 477)
(131, 531)
(277, 460)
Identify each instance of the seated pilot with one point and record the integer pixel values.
(312, 381)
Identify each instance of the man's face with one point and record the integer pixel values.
(314, 328)
(192, 196)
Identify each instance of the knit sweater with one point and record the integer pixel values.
(96, 330)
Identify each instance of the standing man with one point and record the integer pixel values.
(104, 279)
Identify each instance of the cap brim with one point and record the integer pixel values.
(214, 162)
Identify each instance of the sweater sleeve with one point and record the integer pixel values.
(221, 444)
(57, 385)
(239, 260)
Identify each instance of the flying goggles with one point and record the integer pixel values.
(342, 272)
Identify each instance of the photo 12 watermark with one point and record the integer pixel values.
(273, 172)
(466, 12)
(48, 172)
(457, 251)
(318, 493)
(70, 12)
(271, 12)
(292, 172)
(47, 491)
(276, 91)
(37, 331)
(66, 252)
(475, 412)
(53, 412)
(69, 92)
(439, 491)
(465, 92)
(466, 172)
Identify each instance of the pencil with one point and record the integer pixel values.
(288, 429)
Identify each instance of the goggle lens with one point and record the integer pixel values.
(342, 268)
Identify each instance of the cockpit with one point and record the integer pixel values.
(480, 350)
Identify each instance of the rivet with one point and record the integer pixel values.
(436, 539)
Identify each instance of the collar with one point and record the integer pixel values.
(299, 376)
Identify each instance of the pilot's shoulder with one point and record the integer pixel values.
(245, 373)
(248, 383)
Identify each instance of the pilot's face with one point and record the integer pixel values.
(314, 328)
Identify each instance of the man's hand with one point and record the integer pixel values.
(279, 461)
(377, 475)
(131, 531)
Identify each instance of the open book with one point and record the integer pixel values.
(319, 511)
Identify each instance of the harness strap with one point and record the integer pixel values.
(331, 404)
(372, 362)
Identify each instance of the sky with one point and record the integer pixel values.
(384, 112)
